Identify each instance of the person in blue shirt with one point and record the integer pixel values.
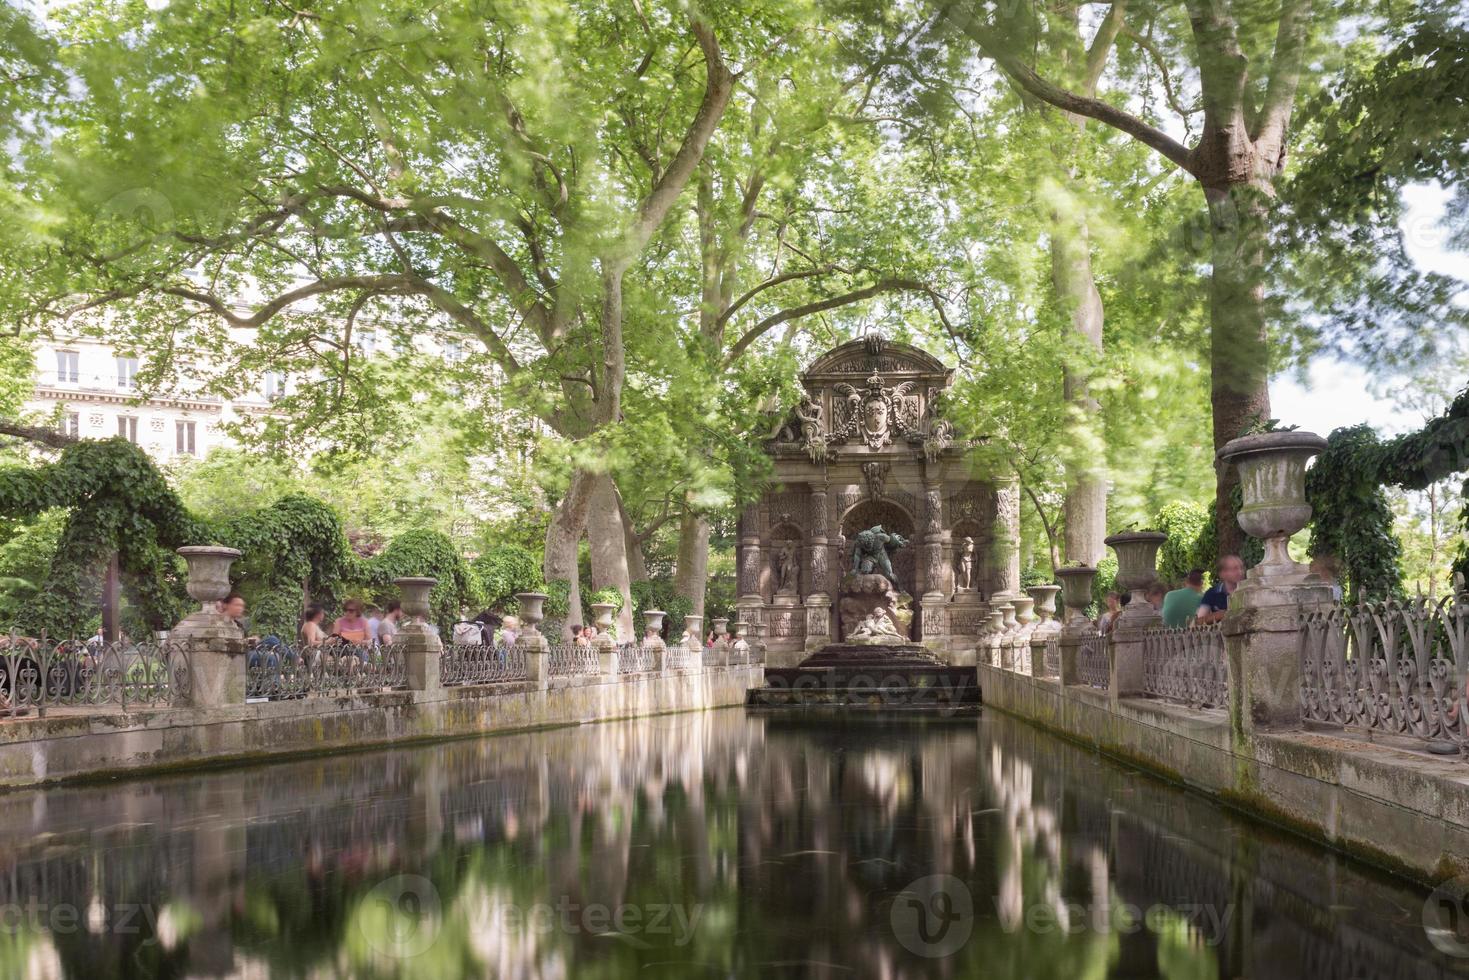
(1212, 604)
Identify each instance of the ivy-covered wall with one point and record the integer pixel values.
(1352, 520)
(111, 498)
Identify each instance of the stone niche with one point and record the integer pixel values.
(869, 444)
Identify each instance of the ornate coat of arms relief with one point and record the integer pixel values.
(875, 412)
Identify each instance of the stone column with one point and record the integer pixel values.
(605, 645)
(818, 622)
(1076, 587)
(214, 645)
(1262, 624)
(750, 557)
(1137, 568)
(653, 637)
(530, 641)
(819, 553)
(818, 601)
(421, 645)
(1007, 534)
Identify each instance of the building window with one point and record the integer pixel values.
(67, 366)
(127, 427)
(127, 372)
(184, 438)
(275, 385)
(453, 351)
(71, 425)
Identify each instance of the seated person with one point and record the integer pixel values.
(351, 625)
(1214, 603)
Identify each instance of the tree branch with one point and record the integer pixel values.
(48, 437)
(856, 296)
(1023, 75)
(758, 288)
(1285, 76)
(718, 84)
(1096, 55)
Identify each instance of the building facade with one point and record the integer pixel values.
(90, 389)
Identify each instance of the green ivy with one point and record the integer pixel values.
(115, 501)
(1189, 527)
(503, 571)
(424, 552)
(1351, 518)
(659, 593)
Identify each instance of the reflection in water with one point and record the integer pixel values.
(862, 846)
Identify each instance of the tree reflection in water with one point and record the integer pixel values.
(731, 845)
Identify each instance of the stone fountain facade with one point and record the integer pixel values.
(868, 444)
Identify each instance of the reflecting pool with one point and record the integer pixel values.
(719, 844)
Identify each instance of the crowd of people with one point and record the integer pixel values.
(1190, 604)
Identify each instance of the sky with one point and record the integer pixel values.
(1337, 393)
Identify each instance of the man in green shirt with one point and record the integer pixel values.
(1181, 605)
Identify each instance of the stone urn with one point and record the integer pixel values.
(532, 609)
(693, 631)
(415, 592)
(1076, 589)
(1272, 476)
(209, 573)
(1024, 609)
(1007, 612)
(653, 623)
(721, 627)
(1137, 558)
(602, 617)
(1137, 568)
(1045, 600)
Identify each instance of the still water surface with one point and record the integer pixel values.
(710, 845)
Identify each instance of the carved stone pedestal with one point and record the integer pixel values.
(862, 595)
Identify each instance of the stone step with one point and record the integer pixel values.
(896, 698)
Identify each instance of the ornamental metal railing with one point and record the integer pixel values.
(573, 660)
(476, 663)
(1053, 655)
(1397, 667)
(1092, 668)
(633, 659)
(334, 668)
(1186, 665)
(679, 657)
(41, 673)
(1015, 656)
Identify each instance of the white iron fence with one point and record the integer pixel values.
(573, 660)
